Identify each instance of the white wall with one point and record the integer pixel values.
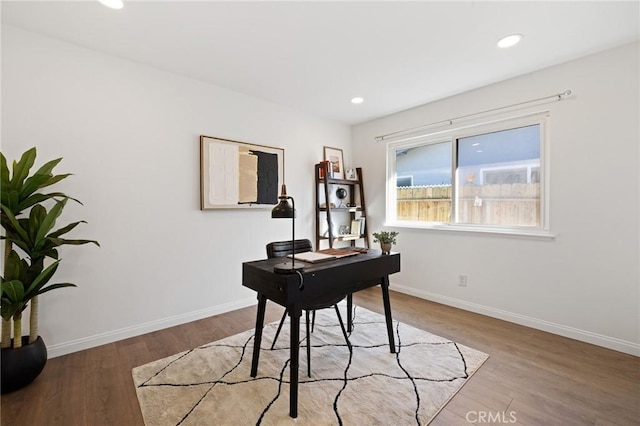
(130, 134)
(583, 284)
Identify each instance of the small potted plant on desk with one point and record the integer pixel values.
(386, 239)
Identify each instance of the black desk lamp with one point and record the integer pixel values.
(285, 211)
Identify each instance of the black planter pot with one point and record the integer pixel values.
(21, 366)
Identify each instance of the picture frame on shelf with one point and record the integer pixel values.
(351, 174)
(336, 160)
(355, 227)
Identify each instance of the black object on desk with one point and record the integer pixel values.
(322, 284)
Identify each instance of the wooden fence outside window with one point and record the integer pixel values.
(515, 204)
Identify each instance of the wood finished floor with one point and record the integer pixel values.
(531, 377)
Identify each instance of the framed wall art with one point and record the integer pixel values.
(335, 157)
(239, 175)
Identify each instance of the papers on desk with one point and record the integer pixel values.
(339, 252)
(323, 255)
(313, 257)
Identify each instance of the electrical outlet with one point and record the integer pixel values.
(462, 280)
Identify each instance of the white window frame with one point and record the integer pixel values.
(461, 131)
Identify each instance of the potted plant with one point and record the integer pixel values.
(30, 261)
(386, 239)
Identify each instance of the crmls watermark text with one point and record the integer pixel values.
(491, 417)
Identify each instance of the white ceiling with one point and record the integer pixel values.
(315, 56)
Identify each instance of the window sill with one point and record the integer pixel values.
(507, 232)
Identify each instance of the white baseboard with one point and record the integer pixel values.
(562, 330)
(137, 330)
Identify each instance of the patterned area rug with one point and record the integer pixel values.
(211, 385)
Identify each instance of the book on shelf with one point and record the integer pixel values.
(322, 169)
(347, 237)
(357, 226)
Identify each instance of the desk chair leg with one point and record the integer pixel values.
(308, 345)
(344, 332)
(275, 338)
(309, 329)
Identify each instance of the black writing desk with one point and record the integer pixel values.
(323, 284)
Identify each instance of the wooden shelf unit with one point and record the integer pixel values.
(326, 186)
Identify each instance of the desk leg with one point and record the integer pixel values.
(387, 312)
(350, 312)
(294, 314)
(257, 340)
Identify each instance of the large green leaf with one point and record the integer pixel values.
(39, 181)
(42, 279)
(34, 223)
(14, 223)
(47, 167)
(49, 251)
(55, 179)
(55, 286)
(63, 241)
(21, 168)
(13, 291)
(15, 268)
(9, 198)
(12, 300)
(50, 220)
(4, 171)
(8, 309)
(65, 229)
(39, 198)
(32, 184)
(18, 242)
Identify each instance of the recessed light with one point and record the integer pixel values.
(510, 40)
(479, 150)
(357, 100)
(475, 144)
(113, 4)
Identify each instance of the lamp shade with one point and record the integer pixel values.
(283, 210)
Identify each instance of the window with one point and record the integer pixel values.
(487, 177)
(404, 181)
